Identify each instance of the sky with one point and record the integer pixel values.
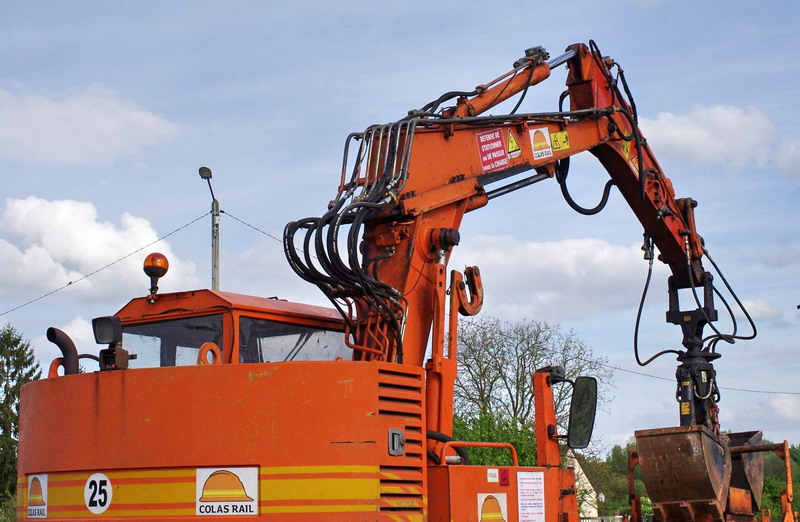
(107, 110)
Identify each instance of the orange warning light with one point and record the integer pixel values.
(35, 497)
(156, 265)
(491, 511)
(224, 486)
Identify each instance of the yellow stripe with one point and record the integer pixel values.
(319, 488)
(52, 513)
(308, 487)
(319, 508)
(408, 490)
(128, 494)
(289, 470)
(160, 473)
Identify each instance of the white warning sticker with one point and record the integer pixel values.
(540, 143)
(226, 491)
(37, 496)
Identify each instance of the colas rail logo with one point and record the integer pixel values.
(232, 491)
(224, 486)
(35, 497)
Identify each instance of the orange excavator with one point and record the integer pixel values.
(209, 403)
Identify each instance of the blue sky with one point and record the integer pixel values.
(108, 110)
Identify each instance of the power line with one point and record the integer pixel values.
(104, 267)
(251, 226)
(728, 388)
(259, 230)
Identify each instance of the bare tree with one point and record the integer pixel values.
(496, 360)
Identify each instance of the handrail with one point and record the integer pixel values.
(468, 444)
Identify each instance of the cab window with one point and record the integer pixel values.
(262, 340)
(171, 343)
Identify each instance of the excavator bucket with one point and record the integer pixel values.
(686, 470)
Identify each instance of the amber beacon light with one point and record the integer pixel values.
(155, 266)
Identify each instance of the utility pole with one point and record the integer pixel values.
(205, 173)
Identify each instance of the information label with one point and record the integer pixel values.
(530, 494)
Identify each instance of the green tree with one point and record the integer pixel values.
(488, 428)
(17, 367)
(775, 479)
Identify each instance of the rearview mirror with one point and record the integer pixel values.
(582, 412)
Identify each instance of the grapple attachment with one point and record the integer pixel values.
(748, 468)
(687, 472)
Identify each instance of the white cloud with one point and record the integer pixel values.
(557, 280)
(785, 407)
(92, 125)
(788, 158)
(50, 243)
(760, 309)
(783, 256)
(723, 135)
(263, 270)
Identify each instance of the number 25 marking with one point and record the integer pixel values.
(97, 493)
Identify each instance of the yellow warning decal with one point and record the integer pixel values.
(559, 140)
(626, 149)
(513, 145)
(685, 408)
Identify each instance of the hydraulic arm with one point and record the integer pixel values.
(406, 186)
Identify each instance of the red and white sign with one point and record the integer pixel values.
(492, 148)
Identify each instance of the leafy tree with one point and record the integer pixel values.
(609, 476)
(496, 360)
(775, 480)
(488, 428)
(17, 367)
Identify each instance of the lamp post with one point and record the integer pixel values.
(205, 173)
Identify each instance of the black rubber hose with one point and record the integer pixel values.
(441, 437)
(562, 171)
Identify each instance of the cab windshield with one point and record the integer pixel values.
(177, 342)
(171, 343)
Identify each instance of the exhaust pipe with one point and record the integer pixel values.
(67, 347)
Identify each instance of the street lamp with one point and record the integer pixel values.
(205, 173)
